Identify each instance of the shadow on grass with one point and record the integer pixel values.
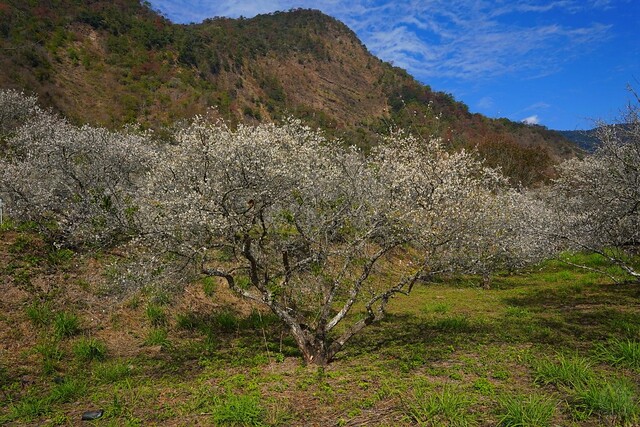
(574, 315)
(411, 341)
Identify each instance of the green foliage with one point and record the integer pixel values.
(89, 349)
(22, 244)
(454, 324)
(29, 408)
(60, 257)
(51, 355)
(67, 391)
(209, 286)
(226, 321)
(239, 410)
(66, 324)
(189, 321)
(517, 312)
(527, 411)
(483, 386)
(439, 308)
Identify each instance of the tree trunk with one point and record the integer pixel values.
(314, 348)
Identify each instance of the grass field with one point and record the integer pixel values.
(552, 346)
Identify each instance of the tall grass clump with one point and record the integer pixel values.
(40, 314)
(448, 407)
(156, 315)
(67, 391)
(620, 353)
(66, 324)
(613, 400)
(527, 411)
(51, 355)
(88, 349)
(112, 372)
(240, 410)
(568, 371)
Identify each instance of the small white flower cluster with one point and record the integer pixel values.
(78, 183)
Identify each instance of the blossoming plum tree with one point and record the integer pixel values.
(597, 199)
(323, 235)
(77, 184)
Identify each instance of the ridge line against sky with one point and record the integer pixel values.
(558, 63)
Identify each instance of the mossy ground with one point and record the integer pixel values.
(554, 345)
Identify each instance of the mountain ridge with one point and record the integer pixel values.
(115, 62)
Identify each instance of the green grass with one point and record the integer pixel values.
(568, 371)
(226, 321)
(453, 324)
(111, 372)
(40, 314)
(189, 321)
(484, 387)
(60, 257)
(620, 352)
(66, 324)
(68, 390)
(614, 400)
(428, 407)
(209, 286)
(51, 354)
(239, 410)
(551, 346)
(29, 408)
(89, 349)
(156, 315)
(527, 411)
(157, 336)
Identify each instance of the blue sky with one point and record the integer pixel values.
(558, 63)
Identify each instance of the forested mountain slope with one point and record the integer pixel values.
(116, 62)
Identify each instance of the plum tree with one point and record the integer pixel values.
(597, 198)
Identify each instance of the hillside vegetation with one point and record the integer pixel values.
(115, 62)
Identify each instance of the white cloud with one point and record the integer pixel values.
(540, 105)
(531, 120)
(485, 103)
(460, 39)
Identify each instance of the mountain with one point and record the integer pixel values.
(118, 61)
(585, 139)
